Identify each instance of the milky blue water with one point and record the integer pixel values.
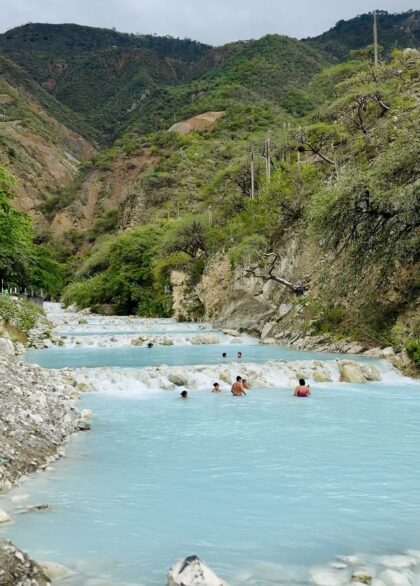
(172, 355)
(111, 332)
(266, 481)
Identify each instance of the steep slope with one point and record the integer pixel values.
(394, 31)
(41, 152)
(100, 73)
(340, 209)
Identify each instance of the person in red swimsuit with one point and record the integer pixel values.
(302, 390)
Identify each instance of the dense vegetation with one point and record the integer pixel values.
(114, 79)
(346, 175)
(343, 171)
(23, 263)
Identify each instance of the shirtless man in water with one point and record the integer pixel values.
(238, 388)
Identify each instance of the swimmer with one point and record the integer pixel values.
(184, 395)
(216, 388)
(302, 390)
(239, 355)
(246, 384)
(150, 344)
(224, 355)
(237, 389)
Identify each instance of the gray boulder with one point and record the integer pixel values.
(6, 347)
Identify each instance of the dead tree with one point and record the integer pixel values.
(298, 288)
(314, 142)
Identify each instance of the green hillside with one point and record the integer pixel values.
(17, 77)
(344, 180)
(394, 31)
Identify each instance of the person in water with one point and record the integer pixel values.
(224, 355)
(239, 355)
(150, 344)
(216, 388)
(246, 384)
(302, 390)
(237, 389)
(184, 395)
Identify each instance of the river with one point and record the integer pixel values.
(264, 488)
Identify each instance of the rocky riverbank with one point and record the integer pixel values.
(17, 568)
(37, 414)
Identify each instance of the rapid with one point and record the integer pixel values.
(266, 489)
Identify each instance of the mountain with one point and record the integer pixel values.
(394, 31)
(41, 151)
(114, 80)
(99, 73)
(140, 156)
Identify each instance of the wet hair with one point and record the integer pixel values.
(239, 353)
(184, 394)
(150, 344)
(238, 378)
(302, 382)
(224, 354)
(215, 384)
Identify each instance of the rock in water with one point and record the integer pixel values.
(4, 518)
(178, 377)
(205, 339)
(351, 372)
(193, 572)
(55, 571)
(233, 333)
(371, 373)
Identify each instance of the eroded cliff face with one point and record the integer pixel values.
(40, 152)
(234, 300)
(113, 187)
(237, 300)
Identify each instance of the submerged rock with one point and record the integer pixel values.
(328, 577)
(55, 571)
(193, 572)
(363, 576)
(394, 578)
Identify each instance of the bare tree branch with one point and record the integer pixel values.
(298, 288)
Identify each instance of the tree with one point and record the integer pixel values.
(16, 235)
(266, 273)
(189, 235)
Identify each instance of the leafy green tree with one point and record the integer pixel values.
(16, 236)
(189, 235)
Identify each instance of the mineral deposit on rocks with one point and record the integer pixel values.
(38, 413)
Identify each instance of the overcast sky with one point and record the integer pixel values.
(210, 21)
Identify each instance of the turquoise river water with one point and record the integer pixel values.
(262, 488)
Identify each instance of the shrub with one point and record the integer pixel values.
(413, 350)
